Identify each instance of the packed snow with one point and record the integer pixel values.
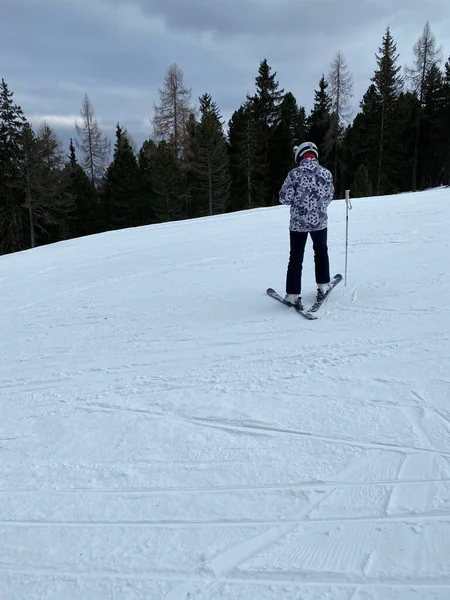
(169, 431)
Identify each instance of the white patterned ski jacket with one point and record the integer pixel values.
(308, 190)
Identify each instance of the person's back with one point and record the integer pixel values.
(308, 190)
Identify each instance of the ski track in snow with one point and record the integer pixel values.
(168, 431)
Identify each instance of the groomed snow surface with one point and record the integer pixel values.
(168, 431)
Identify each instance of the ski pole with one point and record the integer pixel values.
(348, 206)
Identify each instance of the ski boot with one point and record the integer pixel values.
(322, 289)
(294, 300)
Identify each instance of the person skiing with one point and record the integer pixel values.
(308, 189)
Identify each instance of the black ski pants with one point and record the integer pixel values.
(297, 252)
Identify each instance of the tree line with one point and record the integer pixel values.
(399, 140)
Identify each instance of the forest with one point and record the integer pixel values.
(193, 164)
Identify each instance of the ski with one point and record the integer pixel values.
(336, 279)
(305, 313)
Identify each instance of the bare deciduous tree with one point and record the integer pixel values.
(95, 146)
(172, 114)
(341, 91)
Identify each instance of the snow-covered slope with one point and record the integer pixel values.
(168, 431)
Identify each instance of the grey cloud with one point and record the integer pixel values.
(64, 53)
(53, 51)
(286, 17)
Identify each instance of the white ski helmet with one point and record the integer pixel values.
(305, 148)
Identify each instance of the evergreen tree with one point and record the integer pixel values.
(266, 110)
(363, 136)
(57, 206)
(299, 126)
(379, 125)
(212, 159)
(146, 196)
(361, 184)
(247, 160)
(167, 181)
(122, 184)
(130, 140)
(34, 183)
(47, 202)
(94, 145)
(408, 107)
(388, 85)
(348, 164)
(268, 97)
(29, 179)
(431, 158)
(12, 215)
(321, 123)
(189, 171)
(426, 55)
(290, 131)
(444, 127)
(88, 217)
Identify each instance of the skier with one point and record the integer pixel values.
(308, 190)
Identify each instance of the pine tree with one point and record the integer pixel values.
(247, 160)
(95, 147)
(131, 142)
(29, 178)
(88, 217)
(299, 126)
(321, 123)
(212, 159)
(172, 114)
(290, 131)
(429, 172)
(444, 127)
(189, 171)
(426, 55)
(122, 184)
(388, 86)
(361, 184)
(266, 110)
(268, 97)
(12, 215)
(57, 204)
(146, 196)
(167, 181)
(408, 107)
(349, 164)
(364, 136)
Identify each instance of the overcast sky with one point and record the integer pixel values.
(52, 52)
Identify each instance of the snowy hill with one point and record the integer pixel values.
(168, 431)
